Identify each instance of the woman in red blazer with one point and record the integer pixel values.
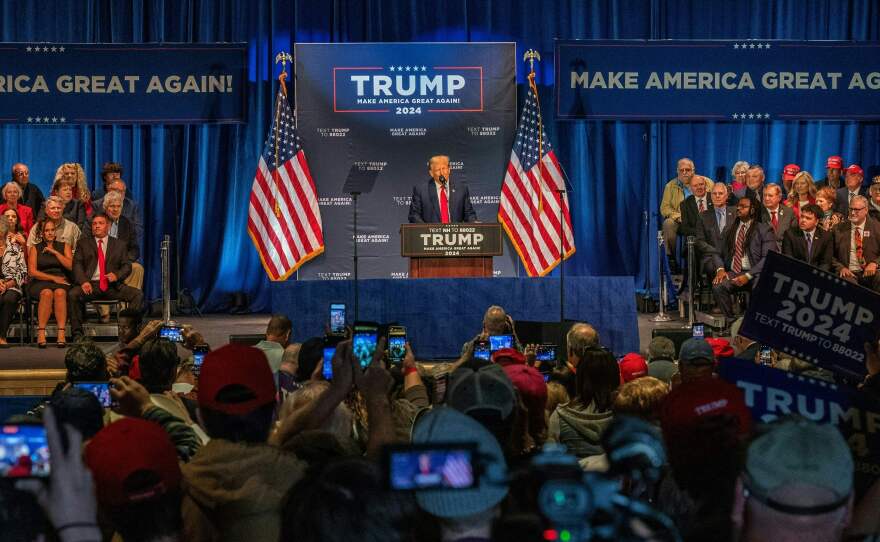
(11, 197)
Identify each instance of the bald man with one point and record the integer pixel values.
(439, 200)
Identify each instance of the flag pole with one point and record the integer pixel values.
(283, 57)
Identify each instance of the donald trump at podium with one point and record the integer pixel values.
(439, 200)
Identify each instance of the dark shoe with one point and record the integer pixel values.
(5, 345)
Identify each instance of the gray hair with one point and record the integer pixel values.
(12, 185)
(55, 199)
(722, 185)
(580, 337)
(863, 199)
(738, 165)
(495, 320)
(112, 197)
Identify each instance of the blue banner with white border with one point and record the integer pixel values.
(743, 80)
(812, 315)
(71, 83)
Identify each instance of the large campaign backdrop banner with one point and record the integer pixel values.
(389, 107)
(91, 83)
(737, 80)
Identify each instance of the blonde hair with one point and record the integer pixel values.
(80, 186)
(641, 397)
(811, 186)
(338, 423)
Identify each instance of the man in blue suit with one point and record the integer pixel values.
(438, 200)
(739, 261)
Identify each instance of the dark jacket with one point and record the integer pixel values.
(690, 215)
(794, 244)
(85, 259)
(32, 196)
(125, 232)
(759, 241)
(785, 220)
(842, 244)
(425, 207)
(710, 237)
(841, 204)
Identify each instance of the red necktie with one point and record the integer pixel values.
(444, 206)
(775, 221)
(702, 206)
(736, 265)
(102, 282)
(859, 251)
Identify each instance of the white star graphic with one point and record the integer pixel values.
(424, 68)
(54, 49)
(735, 116)
(407, 68)
(400, 68)
(736, 46)
(28, 49)
(760, 46)
(38, 119)
(54, 119)
(391, 69)
(766, 46)
(751, 46)
(45, 49)
(45, 119)
(30, 119)
(766, 115)
(61, 49)
(751, 116)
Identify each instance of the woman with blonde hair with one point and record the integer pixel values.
(825, 199)
(13, 271)
(70, 186)
(803, 192)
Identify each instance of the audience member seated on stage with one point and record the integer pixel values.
(712, 227)
(694, 206)
(438, 200)
(235, 483)
(464, 514)
(632, 366)
(100, 264)
(137, 480)
(738, 181)
(641, 398)
(696, 360)
(110, 171)
(825, 199)
(788, 174)
(674, 193)
(809, 243)
(12, 200)
(803, 193)
(66, 231)
(13, 271)
(856, 252)
(778, 216)
(874, 202)
(277, 336)
(312, 508)
(755, 183)
(31, 195)
(852, 188)
(49, 265)
(128, 208)
(532, 392)
(833, 173)
(797, 484)
(661, 359)
(739, 262)
(579, 424)
(706, 426)
(72, 174)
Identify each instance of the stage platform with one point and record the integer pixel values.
(441, 314)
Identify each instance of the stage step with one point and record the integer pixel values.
(15, 382)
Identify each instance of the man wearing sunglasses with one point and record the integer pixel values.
(857, 246)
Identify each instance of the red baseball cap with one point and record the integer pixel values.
(855, 169)
(132, 460)
(789, 172)
(694, 401)
(720, 347)
(236, 364)
(508, 354)
(834, 162)
(530, 384)
(633, 366)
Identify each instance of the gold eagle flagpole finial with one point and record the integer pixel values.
(531, 56)
(283, 57)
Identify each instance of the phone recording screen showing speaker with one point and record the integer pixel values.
(497, 342)
(24, 452)
(337, 318)
(363, 344)
(545, 352)
(327, 368)
(481, 350)
(431, 467)
(101, 390)
(396, 348)
(172, 333)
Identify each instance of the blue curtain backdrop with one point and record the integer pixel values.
(203, 173)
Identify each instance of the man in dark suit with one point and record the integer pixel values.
(100, 264)
(857, 246)
(874, 201)
(439, 200)
(693, 206)
(779, 217)
(808, 243)
(755, 178)
(712, 227)
(852, 188)
(739, 263)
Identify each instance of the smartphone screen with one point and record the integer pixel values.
(363, 343)
(765, 355)
(433, 466)
(327, 368)
(396, 345)
(172, 333)
(497, 342)
(199, 353)
(24, 452)
(101, 390)
(337, 318)
(698, 331)
(481, 350)
(545, 353)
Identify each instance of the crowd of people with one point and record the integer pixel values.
(832, 224)
(72, 247)
(273, 442)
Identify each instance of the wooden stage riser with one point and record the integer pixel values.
(29, 382)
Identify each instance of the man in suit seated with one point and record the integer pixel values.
(857, 246)
(712, 227)
(808, 243)
(100, 264)
(694, 205)
(874, 202)
(852, 188)
(438, 200)
(778, 216)
(125, 230)
(739, 262)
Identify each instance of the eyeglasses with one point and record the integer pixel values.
(857, 209)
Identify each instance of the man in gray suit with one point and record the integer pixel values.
(777, 216)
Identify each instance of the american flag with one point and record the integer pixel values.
(529, 210)
(284, 221)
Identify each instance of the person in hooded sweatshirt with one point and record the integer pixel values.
(579, 424)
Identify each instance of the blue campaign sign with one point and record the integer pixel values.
(771, 393)
(67, 83)
(743, 80)
(812, 315)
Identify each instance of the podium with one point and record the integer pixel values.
(450, 250)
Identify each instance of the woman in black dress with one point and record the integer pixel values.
(49, 264)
